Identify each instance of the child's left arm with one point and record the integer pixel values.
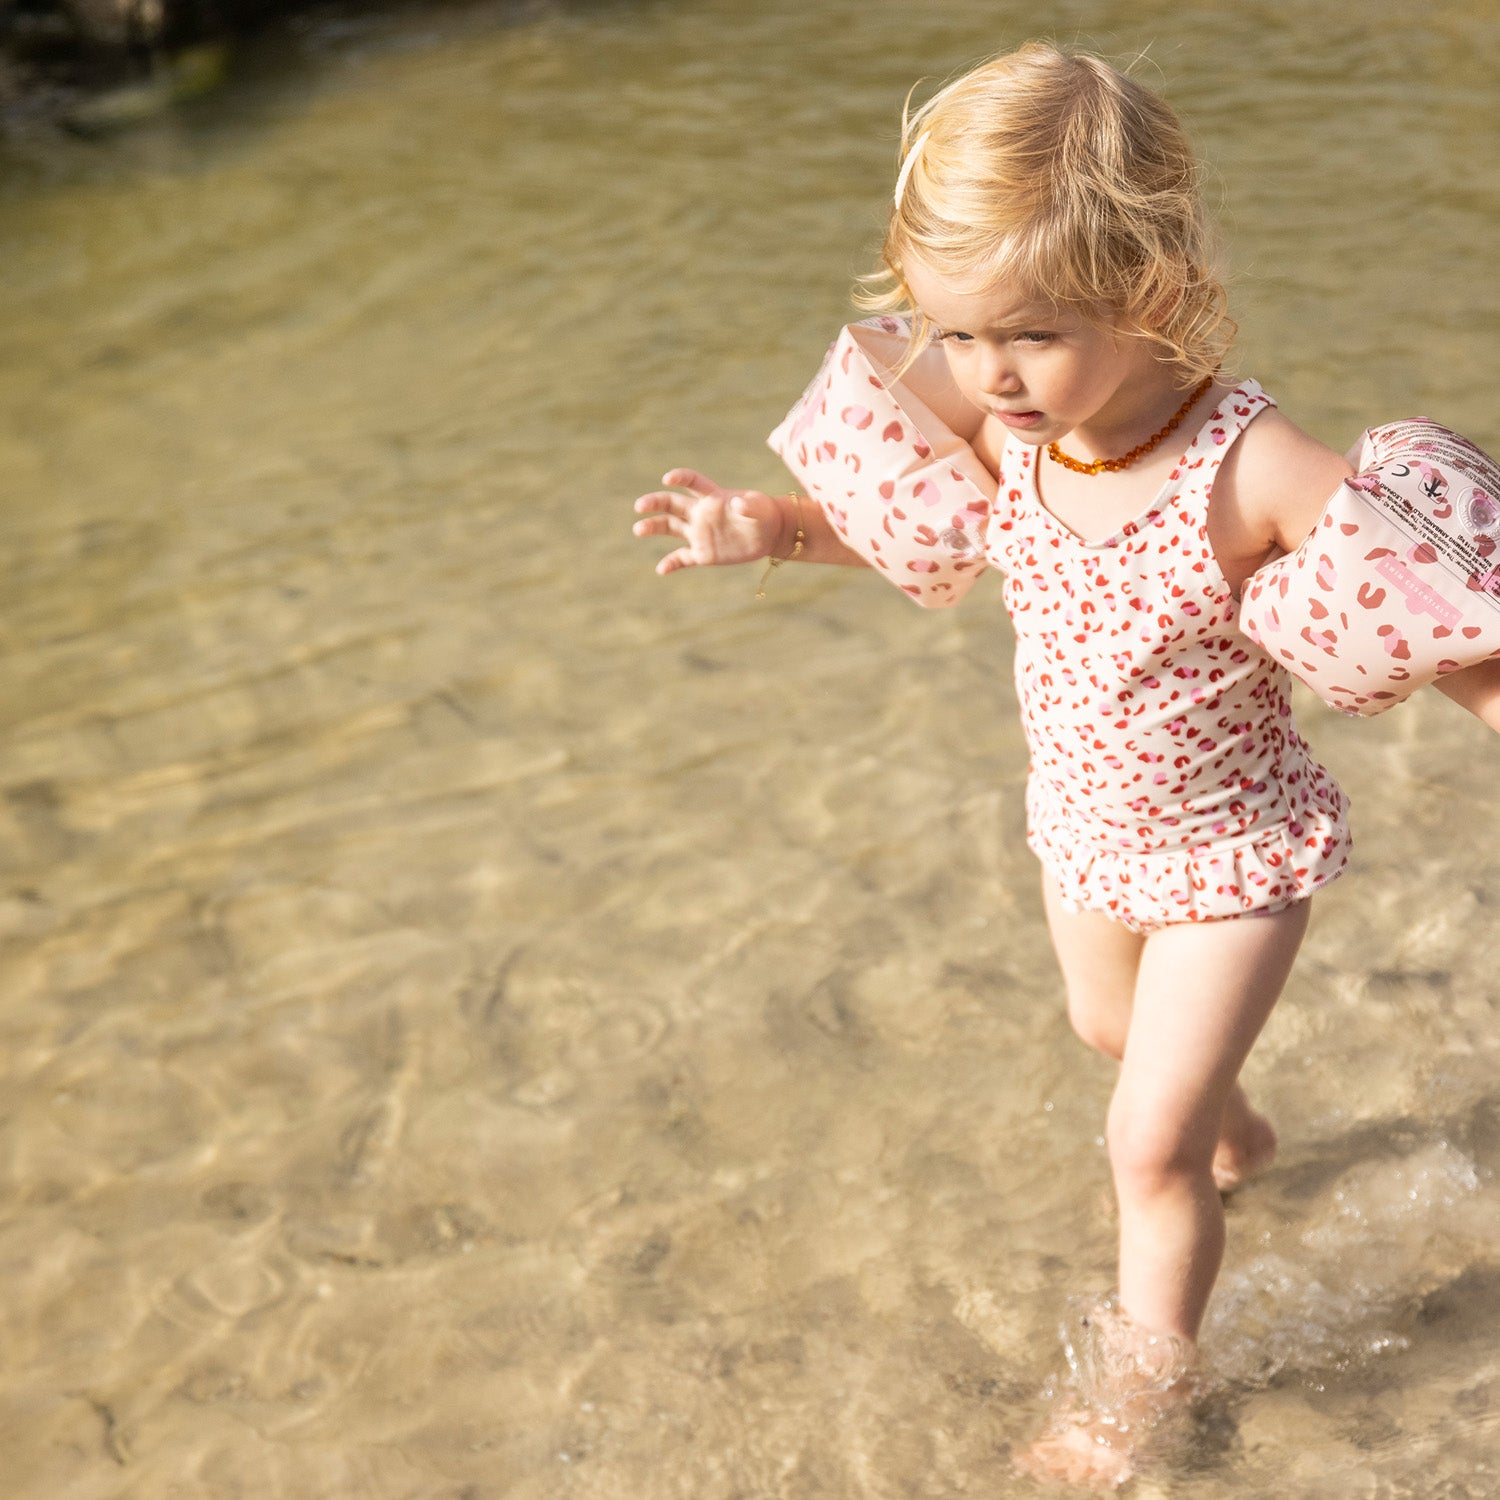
(1477, 689)
(1274, 484)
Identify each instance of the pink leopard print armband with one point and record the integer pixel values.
(1398, 583)
(898, 484)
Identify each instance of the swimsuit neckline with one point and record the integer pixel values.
(1163, 497)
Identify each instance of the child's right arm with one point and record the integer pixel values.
(719, 526)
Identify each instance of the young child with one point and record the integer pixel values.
(1048, 231)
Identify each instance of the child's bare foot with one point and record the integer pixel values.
(1078, 1449)
(1244, 1152)
(1129, 1382)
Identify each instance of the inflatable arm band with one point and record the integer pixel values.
(895, 480)
(1398, 583)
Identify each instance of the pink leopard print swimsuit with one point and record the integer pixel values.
(1167, 782)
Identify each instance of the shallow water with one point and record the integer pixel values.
(482, 1020)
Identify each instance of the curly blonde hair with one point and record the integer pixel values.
(1058, 174)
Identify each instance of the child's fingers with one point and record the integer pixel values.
(662, 500)
(659, 525)
(681, 558)
(690, 479)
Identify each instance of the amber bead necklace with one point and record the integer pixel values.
(1113, 465)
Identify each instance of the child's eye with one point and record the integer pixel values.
(1035, 337)
(954, 337)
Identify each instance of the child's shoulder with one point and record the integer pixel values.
(1280, 478)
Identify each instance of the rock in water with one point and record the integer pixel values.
(116, 23)
(187, 76)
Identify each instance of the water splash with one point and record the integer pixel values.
(1341, 1290)
(1116, 1367)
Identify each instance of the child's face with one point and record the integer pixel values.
(1040, 371)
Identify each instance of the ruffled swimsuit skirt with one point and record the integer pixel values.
(1168, 783)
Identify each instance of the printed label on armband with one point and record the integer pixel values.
(1461, 535)
(1420, 598)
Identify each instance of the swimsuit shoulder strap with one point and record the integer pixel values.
(1191, 483)
(1232, 414)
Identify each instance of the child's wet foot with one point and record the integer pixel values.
(1132, 1387)
(1245, 1154)
(1078, 1450)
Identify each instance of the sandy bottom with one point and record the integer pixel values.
(481, 1021)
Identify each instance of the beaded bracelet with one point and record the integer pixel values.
(792, 556)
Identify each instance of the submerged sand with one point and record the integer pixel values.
(481, 1020)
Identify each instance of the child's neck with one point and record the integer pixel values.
(1095, 506)
(1136, 421)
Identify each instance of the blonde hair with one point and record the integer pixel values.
(1060, 175)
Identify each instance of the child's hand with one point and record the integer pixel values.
(717, 526)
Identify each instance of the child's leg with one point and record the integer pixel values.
(1203, 992)
(1100, 961)
(1182, 1007)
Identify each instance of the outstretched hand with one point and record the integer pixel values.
(717, 526)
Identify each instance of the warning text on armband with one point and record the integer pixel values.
(1455, 554)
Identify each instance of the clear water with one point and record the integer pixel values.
(482, 1020)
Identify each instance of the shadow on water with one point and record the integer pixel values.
(182, 105)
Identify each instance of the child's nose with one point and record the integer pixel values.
(997, 375)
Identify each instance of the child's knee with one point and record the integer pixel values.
(1151, 1148)
(1099, 1023)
